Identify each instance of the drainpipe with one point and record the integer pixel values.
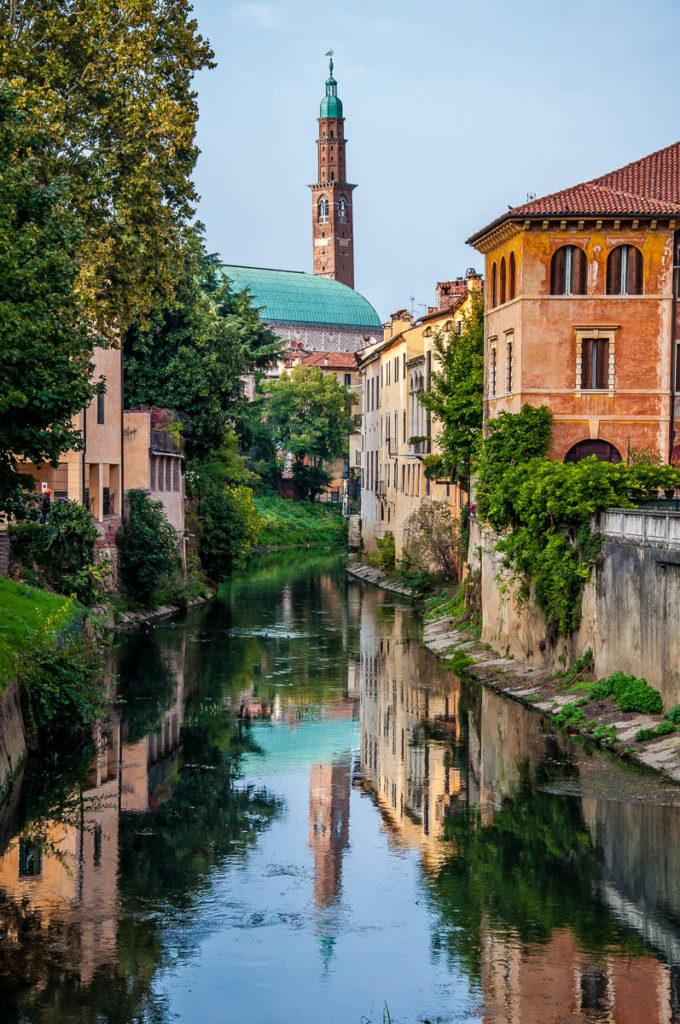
(83, 462)
(674, 313)
(122, 436)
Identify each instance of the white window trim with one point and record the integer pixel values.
(607, 333)
(493, 347)
(509, 340)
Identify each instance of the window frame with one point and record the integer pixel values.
(626, 269)
(605, 333)
(568, 284)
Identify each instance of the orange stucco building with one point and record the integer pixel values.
(581, 310)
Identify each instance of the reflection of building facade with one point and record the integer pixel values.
(408, 720)
(329, 792)
(66, 871)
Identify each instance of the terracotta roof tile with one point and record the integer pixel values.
(650, 186)
(336, 360)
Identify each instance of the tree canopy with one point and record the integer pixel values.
(45, 347)
(310, 416)
(194, 351)
(456, 394)
(109, 84)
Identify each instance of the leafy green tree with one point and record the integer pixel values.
(45, 347)
(193, 352)
(456, 395)
(311, 419)
(109, 84)
(148, 552)
(229, 530)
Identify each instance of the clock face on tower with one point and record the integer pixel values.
(332, 229)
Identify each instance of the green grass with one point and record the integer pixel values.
(286, 523)
(25, 611)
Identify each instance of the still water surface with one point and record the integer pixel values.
(295, 815)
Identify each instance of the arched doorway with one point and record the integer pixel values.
(602, 450)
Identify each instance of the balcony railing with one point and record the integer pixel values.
(163, 441)
(421, 447)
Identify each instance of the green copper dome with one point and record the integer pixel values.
(331, 106)
(290, 296)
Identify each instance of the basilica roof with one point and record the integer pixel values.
(291, 296)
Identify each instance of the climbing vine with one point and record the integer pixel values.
(542, 510)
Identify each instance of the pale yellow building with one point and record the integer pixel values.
(397, 431)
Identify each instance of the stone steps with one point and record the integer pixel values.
(354, 532)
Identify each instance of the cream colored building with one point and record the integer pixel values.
(397, 431)
(153, 463)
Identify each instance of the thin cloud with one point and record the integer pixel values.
(259, 13)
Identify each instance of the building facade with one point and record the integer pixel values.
(581, 310)
(397, 432)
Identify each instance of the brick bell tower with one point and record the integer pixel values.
(332, 195)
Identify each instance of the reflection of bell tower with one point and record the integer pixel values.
(329, 793)
(332, 195)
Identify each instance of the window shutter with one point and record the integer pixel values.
(557, 272)
(580, 270)
(502, 290)
(634, 271)
(614, 272)
(602, 382)
(512, 276)
(586, 364)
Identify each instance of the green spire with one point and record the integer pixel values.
(331, 106)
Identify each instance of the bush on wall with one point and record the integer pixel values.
(148, 549)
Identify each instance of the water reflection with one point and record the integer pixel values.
(294, 811)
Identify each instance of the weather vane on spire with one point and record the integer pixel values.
(329, 53)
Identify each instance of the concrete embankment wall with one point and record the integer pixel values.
(631, 610)
(12, 734)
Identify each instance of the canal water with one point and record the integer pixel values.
(294, 814)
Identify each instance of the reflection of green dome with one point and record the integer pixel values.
(331, 106)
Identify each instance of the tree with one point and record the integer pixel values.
(109, 83)
(193, 352)
(456, 395)
(45, 346)
(311, 419)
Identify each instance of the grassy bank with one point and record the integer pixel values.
(26, 612)
(286, 523)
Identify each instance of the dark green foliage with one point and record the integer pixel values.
(456, 395)
(413, 574)
(571, 715)
(57, 675)
(632, 694)
(310, 416)
(192, 354)
(286, 523)
(662, 729)
(673, 714)
(148, 551)
(543, 509)
(45, 347)
(229, 530)
(384, 557)
(59, 554)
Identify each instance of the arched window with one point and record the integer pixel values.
(493, 285)
(448, 326)
(624, 271)
(602, 450)
(323, 210)
(342, 209)
(568, 271)
(511, 290)
(502, 281)
(427, 333)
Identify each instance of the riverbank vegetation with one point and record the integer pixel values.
(287, 523)
(26, 612)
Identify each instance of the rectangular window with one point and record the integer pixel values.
(403, 366)
(30, 858)
(509, 365)
(595, 364)
(152, 472)
(100, 407)
(493, 372)
(348, 379)
(403, 477)
(175, 474)
(428, 370)
(396, 429)
(403, 426)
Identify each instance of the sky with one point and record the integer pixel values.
(454, 110)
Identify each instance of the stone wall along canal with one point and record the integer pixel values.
(293, 813)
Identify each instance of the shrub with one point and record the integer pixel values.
(287, 523)
(432, 538)
(662, 729)
(632, 694)
(571, 715)
(229, 530)
(60, 553)
(385, 556)
(148, 552)
(673, 714)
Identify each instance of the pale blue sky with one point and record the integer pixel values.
(454, 110)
